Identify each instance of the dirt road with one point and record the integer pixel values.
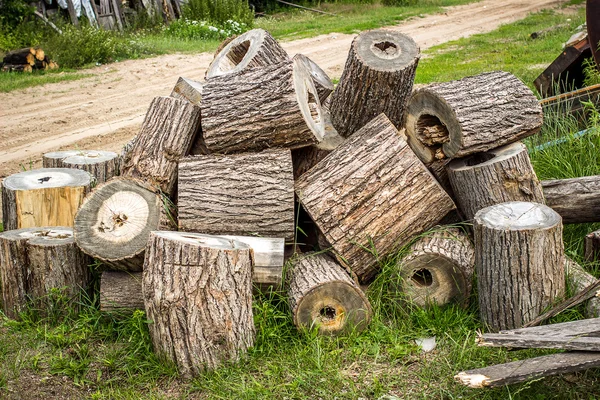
(105, 110)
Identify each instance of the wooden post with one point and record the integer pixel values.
(592, 246)
(322, 294)
(377, 78)
(72, 13)
(102, 165)
(198, 295)
(517, 282)
(43, 197)
(120, 290)
(577, 200)
(33, 261)
(322, 82)
(370, 196)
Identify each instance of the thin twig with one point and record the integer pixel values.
(306, 8)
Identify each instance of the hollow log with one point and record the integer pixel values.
(198, 294)
(120, 290)
(253, 49)
(370, 196)
(438, 269)
(472, 115)
(34, 261)
(274, 106)
(592, 246)
(115, 221)
(377, 78)
(578, 279)
(322, 82)
(43, 197)
(187, 89)
(238, 194)
(497, 176)
(517, 282)
(102, 165)
(322, 294)
(577, 200)
(167, 134)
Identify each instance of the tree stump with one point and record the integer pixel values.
(592, 246)
(438, 269)
(43, 197)
(577, 200)
(519, 256)
(198, 295)
(322, 82)
(189, 90)
(102, 165)
(578, 280)
(378, 78)
(238, 194)
(167, 134)
(321, 294)
(472, 115)
(121, 290)
(115, 221)
(370, 196)
(254, 49)
(497, 176)
(34, 261)
(274, 106)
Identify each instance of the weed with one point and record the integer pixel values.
(218, 11)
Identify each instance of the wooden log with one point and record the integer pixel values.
(43, 197)
(17, 68)
(167, 134)
(253, 49)
(25, 56)
(472, 115)
(576, 200)
(377, 78)
(496, 176)
(438, 269)
(532, 368)
(322, 82)
(322, 295)
(115, 221)
(198, 295)
(592, 246)
(370, 196)
(187, 89)
(517, 282)
(34, 261)
(578, 279)
(274, 106)
(120, 290)
(238, 194)
(102, 165)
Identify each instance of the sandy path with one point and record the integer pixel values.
(106, 109)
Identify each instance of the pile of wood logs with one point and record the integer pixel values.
(26, 60)
(263, 163)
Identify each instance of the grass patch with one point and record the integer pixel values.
(10, 81)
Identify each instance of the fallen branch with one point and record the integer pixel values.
(306, 8)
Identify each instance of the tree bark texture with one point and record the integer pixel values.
(115, 221)
(254, 49)
(322, 82)
(189, 90)
(438, 268)
(497, 176)
(370, 196)
(322, 294)
(578, 279)
(43, 197)
(577, 200)
(472, 115)
(239, 194)
(274, 106)
(33, 261)
(198, 293)
(167, 134)
(378, 78)
(121, 290)
(102, 165)
(592, 246)
(520, 261)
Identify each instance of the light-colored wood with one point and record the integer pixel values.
(120, 290)
(187, 89)
(370, 196)
(322, 294)
(519, 256)
(322, 82)
(43, 197)
(198, 294)
(377, 78)
(577, 200)
(102, 165)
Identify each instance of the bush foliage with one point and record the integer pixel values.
(218, 11)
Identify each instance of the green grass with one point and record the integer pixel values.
(10, 81)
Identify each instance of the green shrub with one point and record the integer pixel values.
(192, 30)
(218, 11)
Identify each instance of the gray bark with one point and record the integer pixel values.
(121, 290)
(102, 165)
(576, 200)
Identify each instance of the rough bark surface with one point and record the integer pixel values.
(43, 197)
(472, 115)
(167, 134)
(239, 194)
(121, 290)
(102, 165)
(438, 268)
(577, 200)
(377, 78)
(198, 293)
(33, 261)
(306, 158)
(592, 246)
(578, 279)
(187, 89)
(322, 294)
(497, 176)
(322, 82)
(519, 256)
(371, 194)
(274, 106)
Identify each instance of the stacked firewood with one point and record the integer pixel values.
(264, 162)
(26, 60)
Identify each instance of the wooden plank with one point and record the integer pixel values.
(118, 14)
(581, 343)
(72, 13)
(573, 328)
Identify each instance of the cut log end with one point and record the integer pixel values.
(47, 178)
(322, 82)
(475, 381)
(517, 216)
(308, 100)
(198, 239)
(386, 50)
